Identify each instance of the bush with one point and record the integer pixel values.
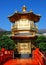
(41, 43)
(7, 43)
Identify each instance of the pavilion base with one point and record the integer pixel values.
(22, 55)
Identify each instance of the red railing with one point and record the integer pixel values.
(5, 55)
(37, 58)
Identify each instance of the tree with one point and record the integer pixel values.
(41, 43)
(7, 43)
(41, 39)
(42, 46)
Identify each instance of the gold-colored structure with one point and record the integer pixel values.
(24, 30)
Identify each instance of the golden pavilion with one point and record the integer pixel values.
(24, 31)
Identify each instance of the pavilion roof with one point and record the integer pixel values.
(27, 15)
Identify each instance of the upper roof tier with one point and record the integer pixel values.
(24, 15)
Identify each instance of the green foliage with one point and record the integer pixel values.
(41, 39)
(41, 43)
(6, 42)
(42, 46)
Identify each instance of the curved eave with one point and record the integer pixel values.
(23, 37)
(28, 15)
(23, 30)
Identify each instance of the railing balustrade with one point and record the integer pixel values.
(5, 55)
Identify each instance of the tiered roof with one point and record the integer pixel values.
(27, 15)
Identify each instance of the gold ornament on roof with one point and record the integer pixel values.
(24, 8)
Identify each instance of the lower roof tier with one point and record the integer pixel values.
(23, 37)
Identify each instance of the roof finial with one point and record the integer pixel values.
(16, 11)
(24, 8)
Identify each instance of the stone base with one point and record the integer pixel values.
(22, 55)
